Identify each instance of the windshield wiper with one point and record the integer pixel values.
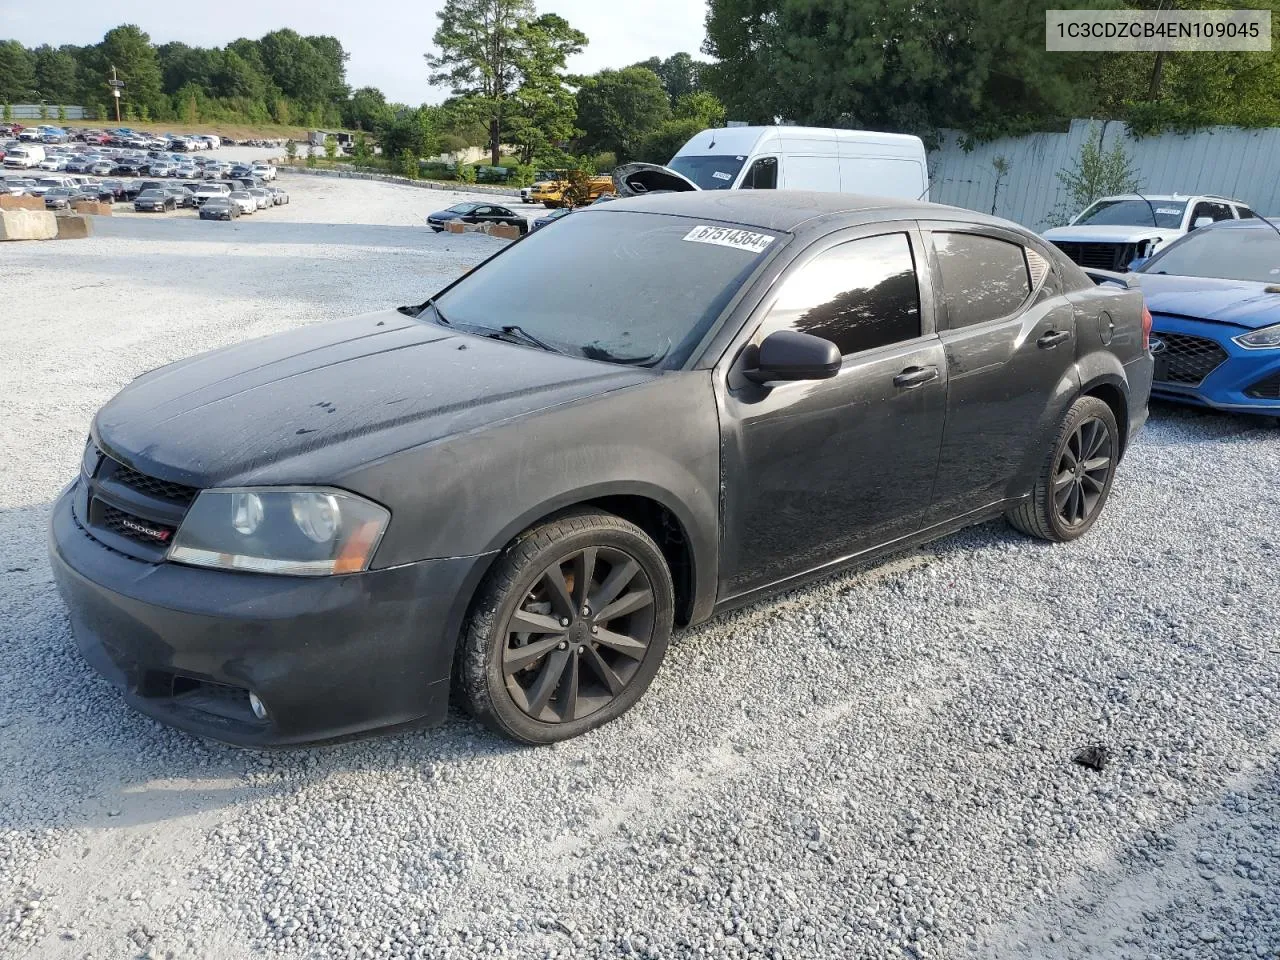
(440, 317)
(522, 335)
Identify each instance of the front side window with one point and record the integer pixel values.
(1214, 211)
(763, 175)
(982, 278)
(859, 295)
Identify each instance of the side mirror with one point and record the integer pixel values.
(1136, 262)
(1199, 222)
(789, 355)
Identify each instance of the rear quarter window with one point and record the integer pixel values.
(983, 278)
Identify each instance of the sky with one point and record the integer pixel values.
(386, 38)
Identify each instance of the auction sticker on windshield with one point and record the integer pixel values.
(729, 237)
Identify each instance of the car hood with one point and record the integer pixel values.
(1110, 234)
(1241, 303)
(443, 215)
(312, 403)
(637, 179)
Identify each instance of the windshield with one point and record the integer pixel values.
(463, 207)
(150, 195)
(1133, 213)
(1228, 253)
(646, 288)
(709, 173)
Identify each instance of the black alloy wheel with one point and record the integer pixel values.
(1083, 472)
(1076, 479)
(579, 636)
(568, 630)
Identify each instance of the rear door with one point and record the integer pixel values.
(1009, 340)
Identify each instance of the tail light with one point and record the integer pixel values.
(1146, 328)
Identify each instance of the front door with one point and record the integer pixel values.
(818, 471)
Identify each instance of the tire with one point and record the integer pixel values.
(1052, 512)
(562, 692)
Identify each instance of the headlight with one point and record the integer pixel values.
(300, 531)
(1264, 339)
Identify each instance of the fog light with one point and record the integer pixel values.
(257, 706)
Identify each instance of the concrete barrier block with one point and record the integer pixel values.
(74, 226)
(8, 202)
(455, 226)
(94, 208)
(504, 231)
(27, 225)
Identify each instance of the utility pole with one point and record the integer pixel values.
(115, 83)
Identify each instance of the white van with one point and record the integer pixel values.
(789, 158)
(24, 155)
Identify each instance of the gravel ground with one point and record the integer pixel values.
(879, 766)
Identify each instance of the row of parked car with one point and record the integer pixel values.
(245, 195)
(118, 137)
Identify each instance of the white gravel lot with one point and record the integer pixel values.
(879, 766)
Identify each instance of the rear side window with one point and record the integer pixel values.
(982, 278)
(859, 295)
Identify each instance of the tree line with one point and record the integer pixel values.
(282, 77)
(974, 65)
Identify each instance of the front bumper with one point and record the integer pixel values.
(1227, 387)
(331, 657)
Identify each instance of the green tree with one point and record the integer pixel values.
(544, 108)
(291, 150)
(129, 50)
(618, 109)
(889, 64)
(330, 147)
(62, 113)
(8, 113)
(414, 131)
(55, 72)
(408, 164)
(680, 74)
(43, 111)
(482, 53)
(17, 72)
(700, 105)
(1098, 172)
(360, 149)
(367, 110)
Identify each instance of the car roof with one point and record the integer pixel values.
(1170, 196)
(790, 211)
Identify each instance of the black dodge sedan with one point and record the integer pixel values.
(520, 489)
(477, 213)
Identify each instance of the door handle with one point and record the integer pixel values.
(915, 376)
(1053, 338)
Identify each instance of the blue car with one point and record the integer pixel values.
(552, 217)
(1214, 298)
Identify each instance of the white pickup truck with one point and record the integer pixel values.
(1112, 232)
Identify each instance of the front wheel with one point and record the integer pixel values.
(568, 630)
(1076, 479)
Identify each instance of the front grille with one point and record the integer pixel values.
(1265, 389)
(152, 486)
(1099, 256)
(135, 528)
(1189, 359)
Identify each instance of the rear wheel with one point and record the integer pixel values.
(1075, 481)
(569, 629)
